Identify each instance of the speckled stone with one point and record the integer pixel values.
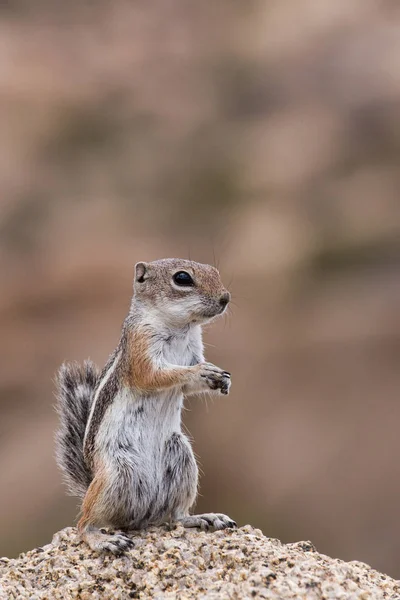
(183, 564)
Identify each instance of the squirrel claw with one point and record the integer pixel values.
(118, 544)
(215, 521)
(99, 540)
(216, 379)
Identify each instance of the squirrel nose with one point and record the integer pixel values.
(224, 299)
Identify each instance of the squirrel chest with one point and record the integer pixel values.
(142, 432)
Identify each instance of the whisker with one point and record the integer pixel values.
(231, 280)
(240, 297)
(210, 345)
(214, 258)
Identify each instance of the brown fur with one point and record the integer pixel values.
(141, 373)
(158, 276)
(91, 501)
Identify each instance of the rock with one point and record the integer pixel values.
(183, 564)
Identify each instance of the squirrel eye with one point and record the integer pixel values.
(183, 278)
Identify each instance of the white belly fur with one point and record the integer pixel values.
(149, 462)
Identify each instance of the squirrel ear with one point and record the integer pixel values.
(141, 273)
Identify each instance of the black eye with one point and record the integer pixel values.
(183, 278)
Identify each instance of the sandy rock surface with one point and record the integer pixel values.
(181, 564)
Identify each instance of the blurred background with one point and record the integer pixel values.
(263, 136)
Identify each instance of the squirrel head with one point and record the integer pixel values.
(180, 291)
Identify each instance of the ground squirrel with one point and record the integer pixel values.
(120, 445)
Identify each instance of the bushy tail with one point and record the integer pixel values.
(75, 389)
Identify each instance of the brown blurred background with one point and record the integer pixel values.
(265, 134)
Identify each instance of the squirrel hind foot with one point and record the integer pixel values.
(213, 521)
(100, 541)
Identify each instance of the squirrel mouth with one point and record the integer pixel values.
(213, 312)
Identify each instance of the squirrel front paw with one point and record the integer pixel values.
(215, 378)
